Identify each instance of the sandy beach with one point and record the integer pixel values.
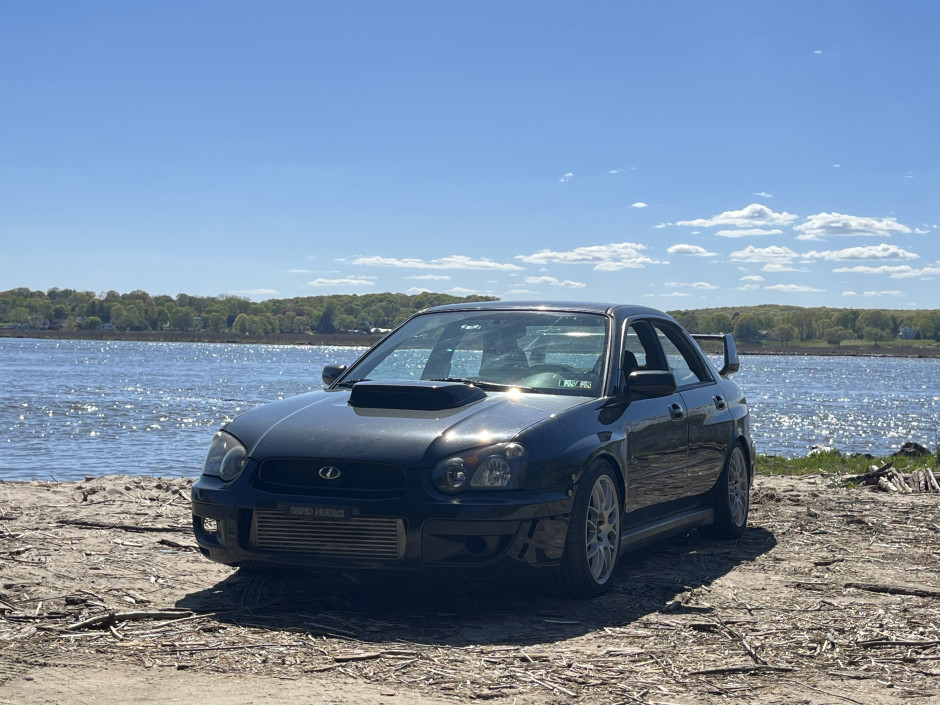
(832, 596)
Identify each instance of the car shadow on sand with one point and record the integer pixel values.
(431, 609)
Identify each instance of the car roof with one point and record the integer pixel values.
(571, 306)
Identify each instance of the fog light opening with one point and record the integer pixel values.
(210, 526)
(475, 545)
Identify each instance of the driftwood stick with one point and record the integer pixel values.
(896, 589)
(109, 618)
(757, 668)
(87, 524)
(932, 480)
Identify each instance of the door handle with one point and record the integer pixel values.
(720, 403)
(676, 412)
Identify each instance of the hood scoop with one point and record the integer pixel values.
(415, 396)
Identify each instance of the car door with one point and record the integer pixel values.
(656, 430)
(709, 420)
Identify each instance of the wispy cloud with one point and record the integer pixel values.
(753, 278)
(748, 232)
(755, 215)
(638, 204)
(763, 194)
(793, 288)
(299, 271)
(343, 281)
(874, 252)
(689, 251)
(429, 277)
(552, 281)
(757, 255)
(565, 178)
(452, 262)
(823, 225)
(693, 285)
(604, 258)
(874, 294)
(896, 271)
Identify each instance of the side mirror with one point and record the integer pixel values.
(650, 384)
(331, 372)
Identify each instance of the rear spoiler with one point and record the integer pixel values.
(732, 364)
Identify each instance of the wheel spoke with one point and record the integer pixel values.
(602, 527)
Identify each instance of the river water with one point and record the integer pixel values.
(73, 408)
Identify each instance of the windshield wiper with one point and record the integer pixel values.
(351, 382)
(483, 384)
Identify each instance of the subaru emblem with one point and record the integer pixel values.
(330, 473)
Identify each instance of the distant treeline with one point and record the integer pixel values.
(70, 310)
(751, 324)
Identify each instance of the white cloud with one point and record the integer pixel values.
(874, 294)
(793, 288)
(565, 178)
(451, 262)
(882, 252)
(418, 290)
(460, 291)
(299, 271)
(692, 285)
(895, 271)
(823, 225)
(817, 51)
(521, 291)
(748, 287)
(748, 232)
(775, 267)
(604, 258)
(753, 216)
(429, 277)
(753, 278)
(675, 294)
(690, 250)
(343, 281)
(552, 281)
(771, 254)
(763, 194)
(638, 204)
(660, 226)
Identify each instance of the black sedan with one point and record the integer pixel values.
(484, 436)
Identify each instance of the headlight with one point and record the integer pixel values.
(226, 457)
(493, 467)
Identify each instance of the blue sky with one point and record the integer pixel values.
(674, 154)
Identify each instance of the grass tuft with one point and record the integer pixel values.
(834, 463)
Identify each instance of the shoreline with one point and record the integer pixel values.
(362, 340)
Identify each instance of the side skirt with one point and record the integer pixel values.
(639, 536)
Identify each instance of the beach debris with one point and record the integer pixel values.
(888, 478)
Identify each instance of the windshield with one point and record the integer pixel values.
(540, 351)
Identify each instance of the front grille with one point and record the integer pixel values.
(303, 475)
(360, 538)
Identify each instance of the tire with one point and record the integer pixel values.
(592, 545)
(732, 498)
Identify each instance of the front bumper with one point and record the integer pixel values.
(238, 523)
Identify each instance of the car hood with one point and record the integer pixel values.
(324, 425)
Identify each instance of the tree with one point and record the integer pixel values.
(784, 333)
(747, 328)
(718, 323)
(837, 334)
(875, 334)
